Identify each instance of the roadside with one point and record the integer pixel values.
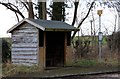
(59, 71)
(107, 75)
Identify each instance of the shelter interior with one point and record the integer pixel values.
(55, 47)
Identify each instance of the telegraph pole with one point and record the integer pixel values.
(100, 35)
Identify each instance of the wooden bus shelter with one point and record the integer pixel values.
(42, 42)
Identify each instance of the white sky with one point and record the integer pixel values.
(8, 19)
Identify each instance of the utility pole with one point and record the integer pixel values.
(100, 35)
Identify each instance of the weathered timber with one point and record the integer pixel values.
(25, 44)
(24, 61)
(41, 42)
(24, 57)
(27, 34)
(24, 54)
(26, 31)
(26, 49)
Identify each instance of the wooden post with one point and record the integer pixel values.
(67, 52)
(65, 45)
(44, 55)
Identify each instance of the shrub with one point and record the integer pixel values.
(6, 51)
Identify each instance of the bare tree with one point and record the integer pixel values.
(13, 8)
(91, 6)
(75, 12)
(25, 3)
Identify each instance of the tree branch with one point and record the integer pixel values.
(25, 4)
(75, 13)
(17, 16)
(12, 8)
(84, 18)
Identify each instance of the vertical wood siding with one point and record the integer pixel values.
(25, 45)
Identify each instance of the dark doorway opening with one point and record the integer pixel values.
(55, 49)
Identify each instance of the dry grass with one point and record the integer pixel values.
(10, 69)
(82, 66)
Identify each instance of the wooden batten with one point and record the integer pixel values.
(24, 57)
(24, 45)
(24, 53)
(25, 61)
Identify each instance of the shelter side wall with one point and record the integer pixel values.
(41, 57)
(69, 56)
(68, 50)
(25, 45)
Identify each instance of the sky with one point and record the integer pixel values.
(8, 19)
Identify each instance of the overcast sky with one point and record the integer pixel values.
(8, 19)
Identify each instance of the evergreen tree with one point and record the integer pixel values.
(58, 11)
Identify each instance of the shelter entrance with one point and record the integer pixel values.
(55, 49)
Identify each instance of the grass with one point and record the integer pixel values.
(89, 38)
(96, 66)
(10, 69)
(81, 66)
(85, 63)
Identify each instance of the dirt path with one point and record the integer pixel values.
(105, 76)
(102, 76)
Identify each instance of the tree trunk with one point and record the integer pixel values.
(30, 10)
(75, 13)
(42, 10)
(83, 19)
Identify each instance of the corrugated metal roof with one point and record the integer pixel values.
(48, 24)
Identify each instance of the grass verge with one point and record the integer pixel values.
(80, 67)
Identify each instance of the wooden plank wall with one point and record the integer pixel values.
(25, 45)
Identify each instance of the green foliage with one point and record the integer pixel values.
(6, 49)
(58, 11)
(104, 41)
(86, 63)
(89, 38)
